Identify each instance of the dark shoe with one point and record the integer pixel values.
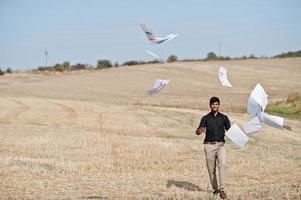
(222, 193)
(215, 192)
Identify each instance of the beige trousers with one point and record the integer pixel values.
(216, 154)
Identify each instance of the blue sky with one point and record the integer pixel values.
(88, 30)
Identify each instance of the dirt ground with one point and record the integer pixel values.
(97, 135)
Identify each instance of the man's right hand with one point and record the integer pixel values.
(200, 131)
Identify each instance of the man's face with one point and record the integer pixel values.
(214, 106)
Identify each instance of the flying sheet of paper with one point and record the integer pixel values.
(155, 55)
(237, 136)
(271, 120)
(252, 126)
(222, 75)
(154, 39)
(260, 96)
(253, 107)
(159, 85)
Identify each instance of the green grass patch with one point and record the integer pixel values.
(283, 110)
(291, 107)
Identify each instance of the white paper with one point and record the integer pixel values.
(222, 75)
(154, 39)
(257, 103)
(252, 126)
(155, 55)
(237, 136)
(271, 120)
(159, 85)
(253, 107)
(260, 96)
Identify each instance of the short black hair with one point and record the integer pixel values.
(213, 100)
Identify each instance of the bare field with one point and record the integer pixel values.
(96, 135)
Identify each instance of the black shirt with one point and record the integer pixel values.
(215, 126)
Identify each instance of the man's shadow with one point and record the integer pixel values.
(183, 184)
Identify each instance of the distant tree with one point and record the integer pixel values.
(130, 63)
(116, 64)
(211, 56)
(289, 54)
(104, 64)
(252, 56)
(172, 58)
(1, 72)
(78, 66)
(8, 70)
(58, 67)
(141, 62)
(42, 68)
(153, 61)
(66, 65)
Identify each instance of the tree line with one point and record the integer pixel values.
(105, 63)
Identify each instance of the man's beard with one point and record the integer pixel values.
(212, 110)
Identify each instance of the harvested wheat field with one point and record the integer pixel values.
(97, 135)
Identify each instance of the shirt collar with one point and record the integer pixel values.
(218, 114)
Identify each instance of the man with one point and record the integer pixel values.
(214, 125)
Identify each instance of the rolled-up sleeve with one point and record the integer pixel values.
(227, 123)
